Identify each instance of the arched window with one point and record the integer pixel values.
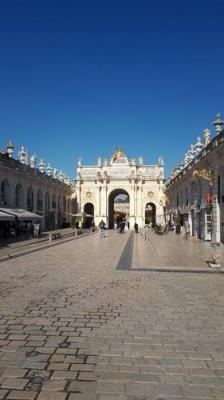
(47, 202)
(30, 199)
(54, 202)
(39, 200)
(5, 193)
(19, 196)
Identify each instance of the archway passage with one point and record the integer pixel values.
(119, 207)
(89, 217)
(150, 213)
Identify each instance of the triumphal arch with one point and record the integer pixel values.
(121, 188)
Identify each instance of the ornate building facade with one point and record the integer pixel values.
(39, 189)
(98, 186)
(195, 189)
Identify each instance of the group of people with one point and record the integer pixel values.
(102, 228)
(121, 228)
(19, 229)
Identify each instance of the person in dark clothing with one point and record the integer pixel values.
(17, 226)
(136, 227)
(122, 226)
(102, 227)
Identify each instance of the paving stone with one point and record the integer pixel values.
(82, 387)
(21, 394)
(82, 367)
(3, 393)
(69, 375)
(54, 385)
(141, 389)
(14, 383)
(87, 376)
(113, 397)
(59, 366)
(30, 364)
(52, 396)
(78, 396)
(14, 372)
(110, 387)
(140, 333)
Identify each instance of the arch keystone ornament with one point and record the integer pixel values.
(89, 195)
(150, 195)
(120, 176)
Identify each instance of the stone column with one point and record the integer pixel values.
(78, 196)
(104, 202)
(132, 205)
(98, 204)
(139, 204)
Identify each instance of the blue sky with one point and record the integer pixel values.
(81, 77)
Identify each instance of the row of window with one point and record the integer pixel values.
(28, 201)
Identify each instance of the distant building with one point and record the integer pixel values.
(99, 186)
(40, 190)
(195, 189)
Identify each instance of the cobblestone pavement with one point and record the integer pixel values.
(11, 247)
(172, 250)
(74, 327)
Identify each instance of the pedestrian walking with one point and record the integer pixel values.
(187, 229)
(102, 228)
(122, 226)
(36, 229)
(136, 227)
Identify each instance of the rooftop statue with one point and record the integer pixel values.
(42, 166)
(207, 136)
(23, 156)
(33, 160)
(118, 154)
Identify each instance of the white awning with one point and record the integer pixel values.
(21, 214)
(184, 212)
(6, 217)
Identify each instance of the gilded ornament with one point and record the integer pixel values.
(204, 174)
(118, 154)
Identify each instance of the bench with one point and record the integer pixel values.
(54, 235)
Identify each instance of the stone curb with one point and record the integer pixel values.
(196, 270)
(29, 251)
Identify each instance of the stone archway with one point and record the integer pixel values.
(150, 213)
(118, 207)
(89, 210)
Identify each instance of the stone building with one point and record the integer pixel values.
(195, 189)
(98, 187)
(40, 190)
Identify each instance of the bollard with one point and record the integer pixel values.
(50, 237)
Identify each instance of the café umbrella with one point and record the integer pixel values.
(80, 215)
